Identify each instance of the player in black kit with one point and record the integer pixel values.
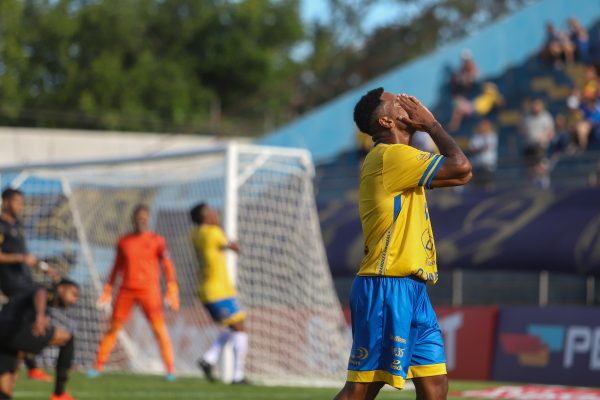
(15, 260)
(25, 327)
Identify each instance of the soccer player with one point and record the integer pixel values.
(16, 262)
(395, 331)
(24, 327)
(138, 257)
(216, 291)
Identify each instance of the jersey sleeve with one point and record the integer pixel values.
(165, 260)
(218, 238)
(118, 264)
(405, 167)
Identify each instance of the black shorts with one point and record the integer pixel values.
(18, 336)
(8, 360)
(24, 340)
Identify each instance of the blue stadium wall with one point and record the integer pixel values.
(329, 130)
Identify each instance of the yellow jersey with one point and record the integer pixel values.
(210, 242)
(393, 212)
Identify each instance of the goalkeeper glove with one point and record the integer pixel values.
(172, 296)
(105, 297)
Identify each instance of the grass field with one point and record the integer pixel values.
(132, 387)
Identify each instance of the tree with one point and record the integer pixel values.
(140, 64)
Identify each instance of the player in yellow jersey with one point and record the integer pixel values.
(216, 291)
(395, 331)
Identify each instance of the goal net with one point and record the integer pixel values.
(76, 212)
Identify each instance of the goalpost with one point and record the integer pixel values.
(76, 211)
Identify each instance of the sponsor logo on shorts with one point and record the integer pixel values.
(358, 355)
(397, 339)
(398, 352)
(224, 311)
(396, 365)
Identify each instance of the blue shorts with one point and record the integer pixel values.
(226, 311)
(395, 332)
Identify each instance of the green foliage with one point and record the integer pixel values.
(160, 65)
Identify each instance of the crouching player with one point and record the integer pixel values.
(25, 328)
(217, 292)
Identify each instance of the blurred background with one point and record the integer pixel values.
(514, 81)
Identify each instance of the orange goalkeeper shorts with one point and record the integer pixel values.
(149, 300)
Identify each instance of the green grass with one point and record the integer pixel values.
(133, 387)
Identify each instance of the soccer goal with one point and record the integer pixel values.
(76, 212)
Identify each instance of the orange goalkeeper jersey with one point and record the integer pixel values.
(138, 259)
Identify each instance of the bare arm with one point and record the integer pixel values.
(6, 258)
(40, 300)
(456, 169)
(232, 246)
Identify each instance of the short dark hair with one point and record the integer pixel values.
(140, 207)
(364, 109)
(196, 213)
(9, 193)
(68, 282)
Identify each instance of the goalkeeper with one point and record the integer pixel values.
(217, 292)
(138, 257)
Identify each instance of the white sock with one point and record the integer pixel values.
(212, 354)
(240, 349)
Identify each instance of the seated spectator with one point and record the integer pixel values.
(589, 126)
(591, 83)
(580, 38)
(483, 148)
(464, 79)
(563, 136)
(558, 48)
(481, 105)
(538, 129)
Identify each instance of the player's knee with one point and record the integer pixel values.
(61, 337)
(115, 327)
(238, 326)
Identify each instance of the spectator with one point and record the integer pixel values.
(580, 38)
(483, 147)
(481, 105)
(563, 136)
(464, 79)
(591, 83)
(558, 48)
(589, 125)
(538, 129)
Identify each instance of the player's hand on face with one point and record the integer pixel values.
(30, 260)
(40, 325)
(419, 117)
